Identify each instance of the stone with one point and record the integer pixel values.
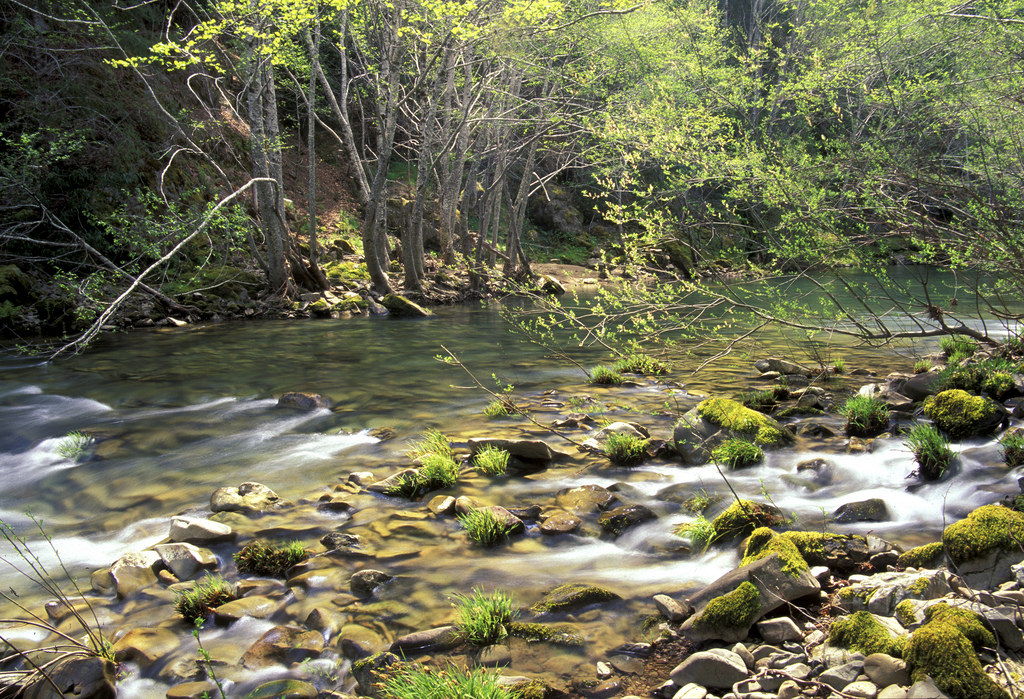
(615, 522)
(199, 530)
(691, 691)
(440, 638)
(81, 678)
(779, 630)
(926, 689)
(372, 670)
(307, 402)
(399, 305)
(526, 449)
(893, 691)
(586, 499)
(133, 571)
(560, 523)
(789, 690)
(549, 285)
(497, 655)
(573, 596)
(670, 609)
(283, 645)
(185, 560)
(920, 386)
(882, 592)
(255, 606)
(603, 670)
(627, 665)
(861, 689)
(885, 670)
(511, 523)
(144, 645)
(840, 676)
(192, 690)
(871, 510)
(716, 670)
(339, 540)
(364, 582)
(744, 653)
(285, 688)
(247, 498)
(783, 366)
(605, 690)
(441, 504)
(323, 620)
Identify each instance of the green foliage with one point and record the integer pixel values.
(72, 445)
(866, 416)
(839, 365)
(603, 376)
(734, 610)
(417, 682)
(959, 414)
(763, 542)
(198, 601)
(764, 400)
(698, 502)
(483, 619)
(958, 345)
(1012, 446)
(863, 633)
(638, 363)
(991, 376)
(737, 453)
(491, 460)
(497, 408)
(433, 442)
(264, 558)
(986, 529)
(931, 451)
(625, 449)
(484, 527)
(700, 531)
(437, 472)
(921, 366)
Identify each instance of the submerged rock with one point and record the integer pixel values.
(871, 510)
(573, 596)
(364, 582)
(185, 560)
(303, 401)
(81, 678)
(283, 645)
(615, 522)
(399, 305)
(247, 498)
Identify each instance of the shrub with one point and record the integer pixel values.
(433, 442)
(197, 602)
(625, 449)
(700, 531)
(483, 619)
(603, 376)
(639, 364)
(491, 460)
(484, 527)
(921, 366)
(1013, 449)
(438, 472)
(72, 445)
(264, 558)
(931, 451)
(417, 682)
(958, 345)
(737, 453)
(865, 416)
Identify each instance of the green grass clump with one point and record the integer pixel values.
(498, 408)
(931, 451)
(603, 376)
(483, 619)
(737, 453)
(865, 416)
(921, 366)
(438, 472)
(988, 528)
(839, 366)
(197, 602)
(433, 442)
(734, 610)
(484, 527)
(765, 399)
(953, 345)
(863, 633)
(625, 449)
(639, 364)
(72, 445)
(273, 560)
(763, 542)
(418, 682)
(491, 460)
(1013, 449)
(959, 414)
(701, 532)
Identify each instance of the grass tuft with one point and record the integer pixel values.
(921, 366)
(737, 453)
(700, 531)
(433, 442)
(1013, 449)
(418, 682)
(492, 461)
(625, 449)
(72, 445)
(484, 527)
(603, 376)
(865, 416)
(272, 560)
(438, 472)
(639, 364)
(483, 619)
(197, 602)
(931, 451)
(958, 345)
(498, 407)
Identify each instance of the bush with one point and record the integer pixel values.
(625, 449)
(603, 376)
(197, 602)
(491, 460)
(737, 453)
(1013, 449)
(865, 416)
(484, 527)
(639, 364)
(958, 345)
(931, 451)
(265, 558)
(417, 682)
(483, 619)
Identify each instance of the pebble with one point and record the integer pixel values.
(604, 671)
(861, 689)
(718, 668)
(779, 630)
(691, 691)
(885, 670)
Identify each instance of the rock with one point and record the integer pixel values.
(926, 689)
(399, 305)
(839, 552)
(727, 608)
(199, 530)
(885, 670)
(620, 519)
(192, 690)
(573, 596)
(783, 366)
(605, 690)
(789, 690)
(871, 510)
(714, 420)
(438, 639)
(627, 664)
(323, 620)
(495, 656)
(339, 540)
(560, 523)
(718, 669)
(779, 630)
(961, 415)
(366, 581)
(441, 504)
(984, 545)
(550, 285)
(842, 675)
(670, 609)
(882, 592)
(186, 560)
(371, 670)
(80, 678)
(745, 654)
(144, 645)
(248, 498)
(691, 691)
(134, 571)
(920, 386)
(283, 645)
(893, 691)
(307, 402)
(511, 523)
(389, 484)
(861, 689)
(586, 499)
(286, 688)
(255, 606)
(526, 449)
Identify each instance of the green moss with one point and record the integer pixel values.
(734, 610)
(987, 529)
(732, 415)
(560, 635)
(346, 272)
(945, 649)
(743, 517)
(919, 587)
(862, 632)
(811, 545)
(534, 689)
(905, 613)
(764, 542)
(960, 414)
(572, 595)
(925, 556)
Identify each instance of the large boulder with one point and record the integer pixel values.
(962, 415)
(716, 419)
(128, 574)
(399, 305)
(283, 645)
(985, 544)
(248, 498)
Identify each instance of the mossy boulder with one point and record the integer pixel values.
(945, 649)
(961, 415)
(573, 596)
(715, 420)
(926, 556)
(399, 305)
(743, 517)
(764, 542)
(843, 553)
(865, 633)
(734, 610)
(985, 544)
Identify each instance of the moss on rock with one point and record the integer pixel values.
(742, 517)
(764, 542)
(962, 415)
(945, 649)
(560, 635)
(989, 528)
(572, 596)
(926, 556)
(862, 632)
(905, 614)
(733, 415)
(734, 610)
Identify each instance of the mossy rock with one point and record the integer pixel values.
(401, 306)
(841, 552)
(734, 610)
(989, 529)
(573, 596)
(743, 517)
(346, 273)
(734, 416)
(945, 649)
(14, 284)
(557, 634)
(961, 415)
(864, 633)
(764, 542)
(926, 556)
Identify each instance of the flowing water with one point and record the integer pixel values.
(176, 413)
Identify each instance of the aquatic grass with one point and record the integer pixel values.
(866, 416)
(418, 682)
(839, 365)
(484, 527)
(499, 407)
(931, 451)
(603, 376)
(737, 453)
(698, 502)
(198, 602)
(437, 472)
(921, 366)
(408, 486)
(1012, 446)
(765, 399)
(953, 345)
(625, 449)
(72, 445)
(701, 532)
(492, 461)
(483, 619)
(638, 363)
(273, 560)
(433, 442)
